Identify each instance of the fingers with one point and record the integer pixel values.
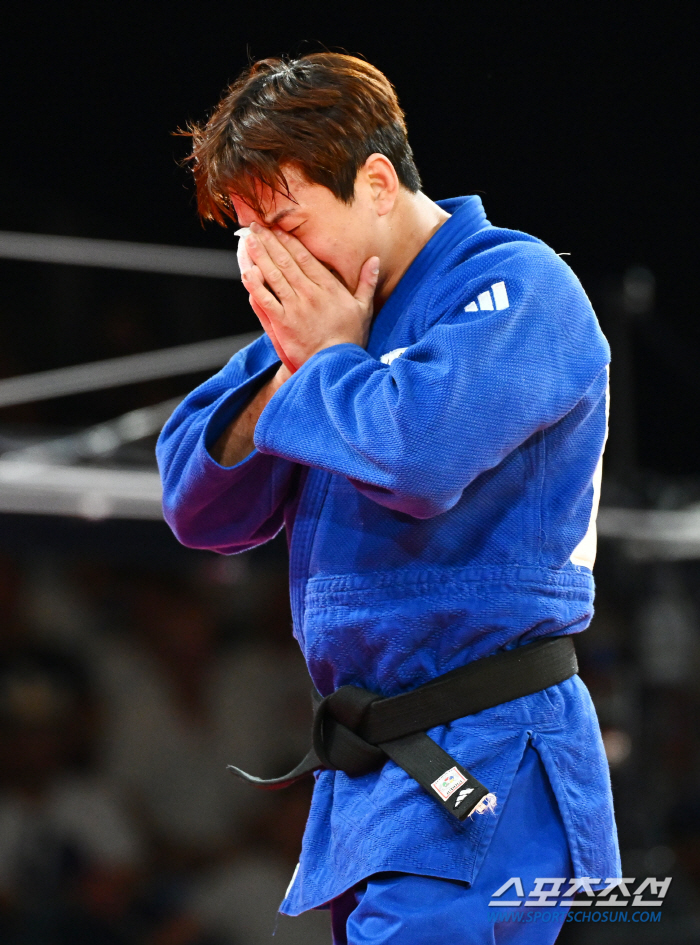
(306, 261)
(269, 329)
(367, 283)
(267, 308)
(277, 265)
(264, 321)
(253, 281)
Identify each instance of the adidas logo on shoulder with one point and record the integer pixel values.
(485, 300)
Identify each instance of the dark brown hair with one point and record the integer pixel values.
(324, 113)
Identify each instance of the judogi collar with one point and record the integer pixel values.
(468, 217)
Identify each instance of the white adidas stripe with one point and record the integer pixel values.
(500, 295)
(485, 300)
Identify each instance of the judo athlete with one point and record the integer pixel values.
(425, 415)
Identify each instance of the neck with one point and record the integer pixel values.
(414, 219)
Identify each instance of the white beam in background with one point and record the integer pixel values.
(115, 372)
(45, 489)
(654, 534)
(115, 254)
(100, 441)
(681, 525)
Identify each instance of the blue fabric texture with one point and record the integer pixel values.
(432, 501)
(403, 909)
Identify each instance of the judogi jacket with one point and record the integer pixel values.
(439, 492)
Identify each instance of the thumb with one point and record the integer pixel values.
(367, 284)
(270, 332)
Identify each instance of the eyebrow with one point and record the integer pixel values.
(279, 216)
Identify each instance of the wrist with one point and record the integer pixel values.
(341, 340)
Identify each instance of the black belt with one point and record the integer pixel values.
(355, 730)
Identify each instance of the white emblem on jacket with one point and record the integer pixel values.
(392, 355)
(500, 297)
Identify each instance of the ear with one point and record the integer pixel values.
(380, 178)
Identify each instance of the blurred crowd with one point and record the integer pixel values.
(126, 690)
(640, 659)
(123, 696)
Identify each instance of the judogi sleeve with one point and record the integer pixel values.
(226, 509)
(411, 435)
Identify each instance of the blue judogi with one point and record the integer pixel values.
(439, 493)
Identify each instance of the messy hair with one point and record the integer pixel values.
(324, 113)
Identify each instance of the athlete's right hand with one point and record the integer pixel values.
(270, 332)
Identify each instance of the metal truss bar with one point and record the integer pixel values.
(45, 489)
(100, 441)
(654, 533)
(115, 254)
(115, 372)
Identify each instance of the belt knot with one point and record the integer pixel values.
(337, 722)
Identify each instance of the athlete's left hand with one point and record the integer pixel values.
(306, 308)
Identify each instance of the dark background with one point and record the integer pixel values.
(573, 123)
